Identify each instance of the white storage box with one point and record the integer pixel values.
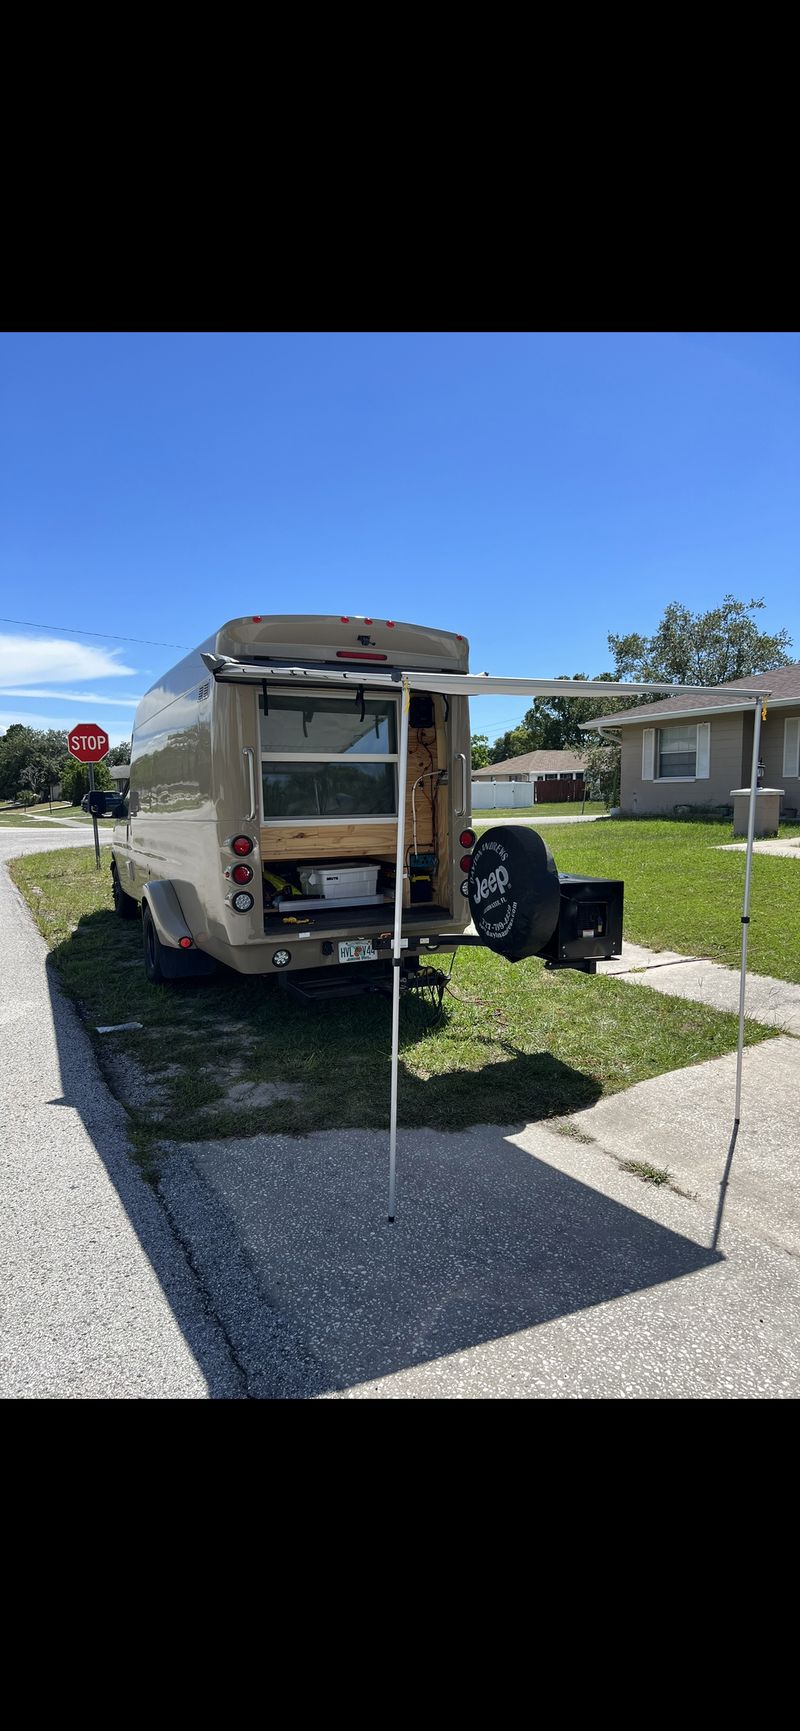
(335, 882)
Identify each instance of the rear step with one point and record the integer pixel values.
(326, 985)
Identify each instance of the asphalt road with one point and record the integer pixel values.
(98, 1298)
(523, 1264)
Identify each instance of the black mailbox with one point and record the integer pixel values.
(589, 926)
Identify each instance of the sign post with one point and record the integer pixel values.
(89, 744)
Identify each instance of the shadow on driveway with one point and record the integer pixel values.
(287, 1281)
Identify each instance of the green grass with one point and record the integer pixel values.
(514, 1044)
(548, 808)
(16, 819)
(682, 894)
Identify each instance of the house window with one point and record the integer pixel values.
(677, 753)
(328, 757)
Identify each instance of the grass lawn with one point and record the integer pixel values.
(513, 1045)
(548, 808)
(682, 894)
(11, 817)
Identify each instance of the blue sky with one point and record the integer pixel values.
(531, 491)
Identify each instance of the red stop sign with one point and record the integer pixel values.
(89, 743)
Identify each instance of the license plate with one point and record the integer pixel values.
(361, 951)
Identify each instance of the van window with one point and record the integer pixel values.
(324, 725)
(325, 756)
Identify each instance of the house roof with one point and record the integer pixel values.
(783, 683)
(534, 762)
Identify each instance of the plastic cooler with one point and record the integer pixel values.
(336, 882)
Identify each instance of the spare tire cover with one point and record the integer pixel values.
(514, 891)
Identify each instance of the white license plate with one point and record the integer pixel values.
(361, 951)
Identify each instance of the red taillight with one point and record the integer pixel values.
(467, 838)
(242, 844)
(185, 943)
(465, 863)
(357, 655)
(241, 874)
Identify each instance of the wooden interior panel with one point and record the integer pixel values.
(334, 840)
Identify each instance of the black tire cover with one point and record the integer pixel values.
(514, 891)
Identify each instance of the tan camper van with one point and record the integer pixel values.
(261, 820)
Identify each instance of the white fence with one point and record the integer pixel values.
(491, 795)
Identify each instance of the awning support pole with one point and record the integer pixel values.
(748, 873)
(402, 771)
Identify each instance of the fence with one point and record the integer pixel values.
(491, 795)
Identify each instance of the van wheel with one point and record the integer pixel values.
(153, 949)
(127, 907)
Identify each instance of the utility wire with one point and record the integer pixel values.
(152, 642)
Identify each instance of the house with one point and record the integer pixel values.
(536, 766)
(691, 751)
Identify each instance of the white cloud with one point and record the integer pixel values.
(71, 696)
(31, 659)
(12, 717)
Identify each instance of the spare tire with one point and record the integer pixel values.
(514, 892)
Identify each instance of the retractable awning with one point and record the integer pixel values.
(228, 671)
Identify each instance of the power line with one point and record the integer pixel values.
(151, 642)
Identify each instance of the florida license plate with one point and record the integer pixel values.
(360, 951)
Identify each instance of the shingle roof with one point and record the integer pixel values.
(783, 684)
(547, 762)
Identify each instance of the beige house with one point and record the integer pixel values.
(536, 766)
(691, 751)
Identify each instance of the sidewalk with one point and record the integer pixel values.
(776, 1003)
(788, 847)
(682, 1121)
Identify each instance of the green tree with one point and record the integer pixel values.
(603, 773)
(75, 780)
(119, 753)
(17, 749)
(480, 750)
(702, 648)
(513, 744)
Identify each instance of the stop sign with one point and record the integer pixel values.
(89, 743)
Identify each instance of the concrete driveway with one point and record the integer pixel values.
(525, 1263)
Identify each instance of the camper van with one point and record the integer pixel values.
(260, 828)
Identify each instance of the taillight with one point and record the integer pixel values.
(242, 874)
(242, 844)
(185, 943)
(465, 863)
(467, 838)
(242, 902)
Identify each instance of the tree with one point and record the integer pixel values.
(17, 748)
(119, 753)
(702, 648)
(553, 723)
(602, 774)
(75, 780)
(512, 744)
(480, 750)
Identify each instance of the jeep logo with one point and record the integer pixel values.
(496, 881)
